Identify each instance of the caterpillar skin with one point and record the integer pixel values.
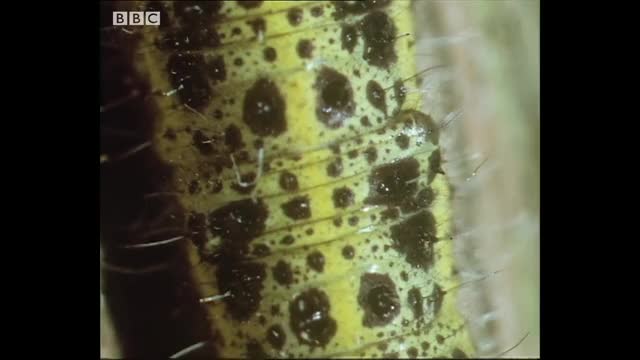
(288, 198)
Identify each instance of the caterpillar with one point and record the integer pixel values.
(273, 185)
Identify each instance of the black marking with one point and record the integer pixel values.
(349, 37)
(297, 208)
(379, 34)
(343, 197)
(310, 318)
(264, 109)
(315, 261)
(295, 16)
(376, 96)
(379, 299)
(335, 98)
(270, 54)
(187, 73)
(282, 273)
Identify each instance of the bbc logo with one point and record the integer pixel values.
(136, 18)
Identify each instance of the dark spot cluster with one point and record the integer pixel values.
(317, 11)
(400, 92)
(343, 197)
(346, 8)
(305, 48)
(376, 96)
(288, 181)
(310, 318)
(294, 15)
(371, 154)
(335, 98)
(414, 238)
(187, 73)
(297, 208)
(237, 223)
(379, 34)
(282, 273)
(233, 138)
(264, 109)
(391, 184)
(379, 299)
(196, 19)
(315, 261)
(244, 281)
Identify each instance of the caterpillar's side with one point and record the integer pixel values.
(273, 184)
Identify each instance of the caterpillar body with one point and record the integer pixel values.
(288, 198)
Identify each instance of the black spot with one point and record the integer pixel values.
(261, 250)
(197, 228)
(345, 8)
(400, 92)
(238, 62)
(236, 31)
(414, 237)
(196, 32)
(379, 33)
(264, 109)
(310, 318)
(348, 252)
(379, 299)
(288, 181)
(352, 154)
(309, 231)
(187, 73)
(287, 240)
(233, 138)
(237, 223)
(412, 352)
(353, 221)
(216, 69)
(414, 298)
(244, 281)
(249, 4)
(403, 141)
(335, 148)
(371, 154)
(202, 143)
(435, 165)
(425, 345)
(276, 336)
(392, 355)
(255, 350)
(334, 169)
(258, 26)
(275, 310)
(194, 187)
(337, 222)
(382, 346)
(374, 248)
(315, 260)
(297, 208)
(349, 37)
(431, 129)
(335, 98)
(305, 48)
(247, 178)
(440, 339)
(376, 96)
(356, 72)
(343, 197)
(404, 276)
(391, 183)
(270, 54)
(421, 201)
(365, 121)
(295, 16)
(458, 354)
(282, 273)
(317, 11)
(170, 134)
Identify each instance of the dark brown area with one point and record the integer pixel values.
(276, 336)
(435, 165)
(315, 261)
(400, 92)
(345, 8)
(249, 4)
(244, 282)
(435, 299)
(412, 352)
(237, 223)
(379, 299)
(202, 143)
(295, 16)
(348, 252)
(458, 354)
(379, 33)
(264, 109)
(343, 197)
(238, 62)
(365, 121)
(422, 200)
(197, 225)
(282, 273)
(287, 240)
(288, 181)
(415, 301)
(310, 318)
(189, 72)
(335, 98)
(440, 339)
(334, 169)
(196, 31)
(261, 250)
(305, 48)
(371, 154)
(194, 187)
(349, 37)
(317, 11)
(403, 141)
(414, 238)
(352, 154)
(337, 222)
(297, 208)
(391, 183)
(353, 220)
(376, 96)
(216, 69)
(270, 54)
(255, 350)
(233, 138)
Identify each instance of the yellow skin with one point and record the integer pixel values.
(305, 149)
